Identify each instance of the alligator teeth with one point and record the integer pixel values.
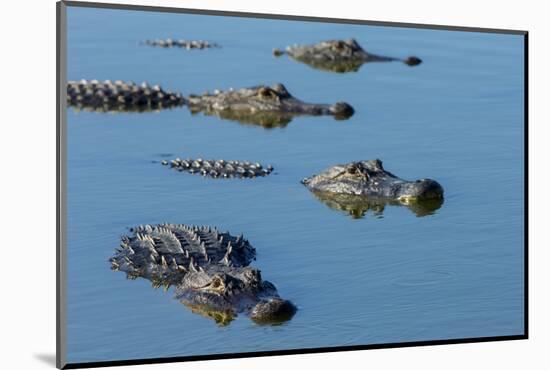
(163, 262)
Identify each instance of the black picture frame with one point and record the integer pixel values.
(61, 266)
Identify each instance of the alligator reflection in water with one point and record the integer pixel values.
(357, 206)
(209, 269)
(267, 120)
(338, 56)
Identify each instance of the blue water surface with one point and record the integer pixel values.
(383, 278)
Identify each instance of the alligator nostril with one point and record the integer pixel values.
(412, 61)
(342, 110)
(273, 310)
(430, 189)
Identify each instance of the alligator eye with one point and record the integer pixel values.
(352, 170)
(339, 45)
(217, 283)
(356, 170)
(264, 92)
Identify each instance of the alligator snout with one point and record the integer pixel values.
(273, 310)
(412, 61)
(342, 110)
(421, 190)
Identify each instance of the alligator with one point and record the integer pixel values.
(338, 56)
(186, 44)
(120, 96)
(262, 105)
(208, 268)
(219, 168)
(357, 206)
(369, 179)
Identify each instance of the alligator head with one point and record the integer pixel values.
(338, 56)
(208, 268)
(267, 106)
(369, 179)
(227, 290)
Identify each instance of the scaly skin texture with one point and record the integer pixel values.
(181, 43)
(338, 56)
(219, 168)
(262, 105)
(369, 179)
(120, 96)
(209, 269)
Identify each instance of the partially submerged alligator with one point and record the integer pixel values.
(219, 168)
(120, 96)
(181, 43)
(209, 269)
(338, 56)
(263, 105)
(369, 179)
(357, 206)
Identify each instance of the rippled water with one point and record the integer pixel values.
(380, 277)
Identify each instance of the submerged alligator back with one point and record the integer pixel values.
(166, 252)
(120, 96)
(181, 43)
(219, 168)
